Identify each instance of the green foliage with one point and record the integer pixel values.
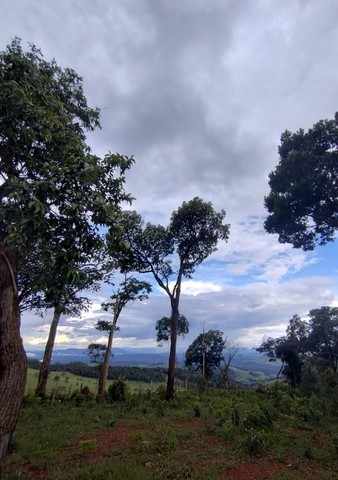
(139, 442)
(118, 391)
(206, 352)
(86, 445)
(255, 443)
(96, 352)
(163, 328)
(176, 446)
(259, 417)
(46, 166)
(302, 202)
(307, 348)
(192, 235)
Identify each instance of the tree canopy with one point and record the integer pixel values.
(315, 338)
(162, 328)
(206, 352)
(303, 201)
(169, 253)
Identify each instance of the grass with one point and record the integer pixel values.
(67, 383)
(271, 434)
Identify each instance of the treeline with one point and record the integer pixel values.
(133, 373)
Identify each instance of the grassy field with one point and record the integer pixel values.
(67, 383)
(271, 434)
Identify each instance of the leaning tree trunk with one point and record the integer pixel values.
(105, 365)
(13, 362)
(47, 357)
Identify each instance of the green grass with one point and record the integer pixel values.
(272, 434)
(67, 383)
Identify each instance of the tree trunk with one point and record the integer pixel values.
(47, 356)
(13, 362)
(173, 341)
(105, 365)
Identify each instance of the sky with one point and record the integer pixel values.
(199, 92)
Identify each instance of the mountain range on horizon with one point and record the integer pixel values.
(246, 359)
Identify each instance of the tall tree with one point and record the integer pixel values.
(53, 192)
(322, 340)
(303, 202)
(170, 253)
(206, 353)
(130, 290)
(162, 328)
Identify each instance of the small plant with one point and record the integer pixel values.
(235, 416)
(167, 440)
(197, 410)
(259, 417)
(86, 445)
(255, 443)
(161, 392)
(139, 442)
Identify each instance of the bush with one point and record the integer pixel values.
(259, 417)
(117, 391)
(82, 396)
(255, 443)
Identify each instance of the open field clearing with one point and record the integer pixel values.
(274, 433)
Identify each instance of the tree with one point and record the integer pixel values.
(305, 342)
(130, 290)
(162, 328)
(169, 253)
(290, 349)
(303, 202)
(322, 339)
(63, 298)
(53, 192)
(231, 349)
(206, 353)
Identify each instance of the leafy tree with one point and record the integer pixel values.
(54, 192)
(129, 291)
(303, 202)
(322, 340)
(206, 353)
(96, 353)
(170, 253)
(162, 328)
(289, 349)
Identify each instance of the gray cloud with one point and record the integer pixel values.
(200, 92)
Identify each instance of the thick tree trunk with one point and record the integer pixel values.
(47, 357)
(105, 365)
(173, 341)
(13, 364)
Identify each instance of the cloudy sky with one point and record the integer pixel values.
(199, 91)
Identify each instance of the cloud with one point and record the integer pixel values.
(199, 92)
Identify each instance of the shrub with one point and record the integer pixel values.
(255, 443)
(117, 391)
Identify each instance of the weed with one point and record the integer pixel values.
(86, 445)
(139, 442)
(197, 410)
(255, 443)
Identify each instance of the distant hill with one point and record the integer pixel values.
(246, 359)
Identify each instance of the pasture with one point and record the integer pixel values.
(272, 433)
